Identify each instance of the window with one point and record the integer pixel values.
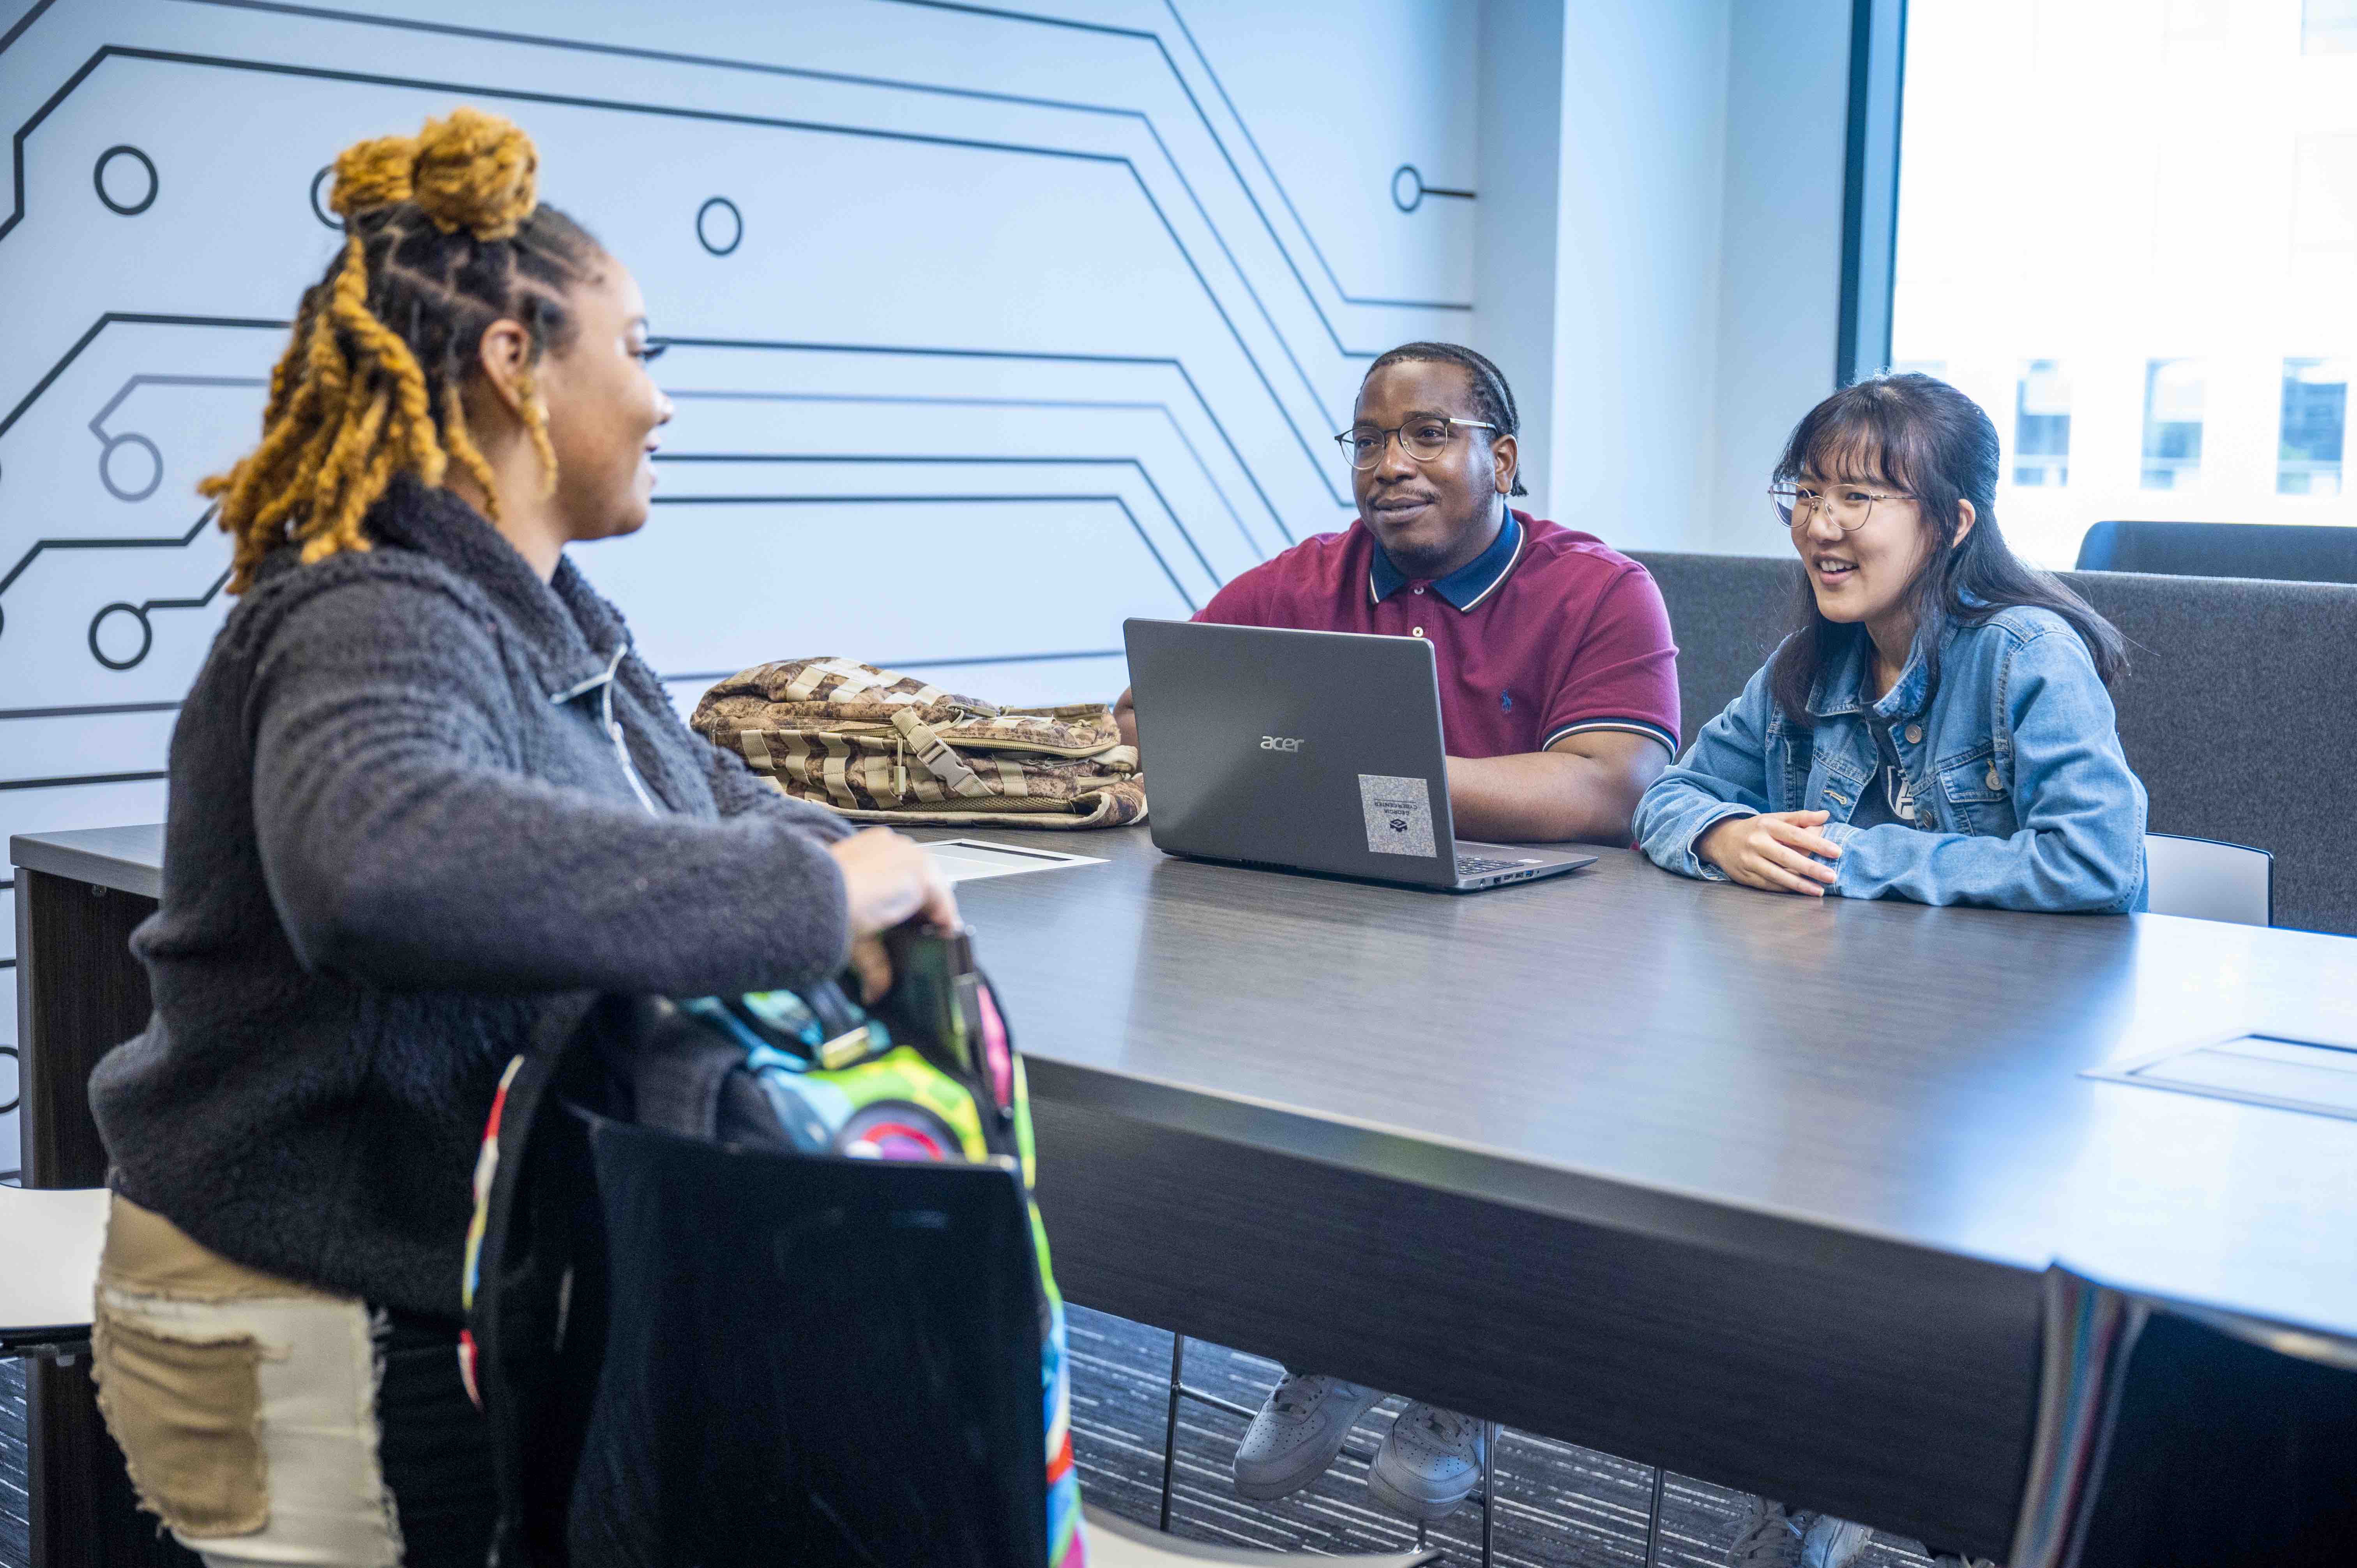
(2144, 269)
(2315, 417)
(2172, 423)
(2328, 27)
(2041, 424)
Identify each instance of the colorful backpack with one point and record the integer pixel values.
(931, 1074)
(881, 747)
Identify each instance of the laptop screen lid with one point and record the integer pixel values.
(1315, 749)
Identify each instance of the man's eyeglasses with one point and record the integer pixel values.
(1424, 438)
(1797, 505)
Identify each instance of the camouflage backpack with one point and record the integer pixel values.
(881, 747)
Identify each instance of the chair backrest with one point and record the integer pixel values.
(806, 1358)
(2205, 880)
(2236, 697)
(2287, 553)
(1728, 613)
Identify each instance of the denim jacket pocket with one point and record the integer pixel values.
(1977, 790)
(1840, 782)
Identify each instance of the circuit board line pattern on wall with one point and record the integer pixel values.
(1001, 326)
(482, 92)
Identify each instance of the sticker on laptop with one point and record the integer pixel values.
(1399, 814)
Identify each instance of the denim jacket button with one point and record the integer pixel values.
(1914, 735)
(1993, 782)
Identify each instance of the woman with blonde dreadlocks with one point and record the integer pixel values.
(421, 785)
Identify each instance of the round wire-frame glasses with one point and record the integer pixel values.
(1796, 506)
(1424, 438)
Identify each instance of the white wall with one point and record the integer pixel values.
(1779, 280)
(1662, 279)
(1515, 225)
(1637, 266)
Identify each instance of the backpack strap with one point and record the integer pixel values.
(934, 752)
(677, 1074)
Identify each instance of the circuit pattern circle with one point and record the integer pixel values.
(106, 467)
(146, 636)
(1416, 183)
(98, 180)
(705, 223)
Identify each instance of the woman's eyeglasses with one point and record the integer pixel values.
(1424, 438)
(1797, 505)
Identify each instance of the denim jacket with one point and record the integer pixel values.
(2026, 800)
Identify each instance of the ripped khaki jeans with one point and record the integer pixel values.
(245, 1404)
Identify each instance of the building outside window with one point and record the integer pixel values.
(2173, 392)
(2169, 221)
(2041, 424)
(2329, 27)
(2315, 422)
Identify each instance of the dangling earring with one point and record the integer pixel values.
(535, 420)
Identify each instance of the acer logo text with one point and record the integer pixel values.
(1280, 742)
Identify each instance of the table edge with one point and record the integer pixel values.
(43, 853)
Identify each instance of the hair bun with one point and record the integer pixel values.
(475, 171)
(373, 174)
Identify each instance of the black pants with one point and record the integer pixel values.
(433, 1445)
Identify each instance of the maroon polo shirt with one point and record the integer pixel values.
(1547, 633)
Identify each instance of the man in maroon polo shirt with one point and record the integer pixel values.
(1559, 702)
(1558, 677)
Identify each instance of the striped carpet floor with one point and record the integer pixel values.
(1557, 1504)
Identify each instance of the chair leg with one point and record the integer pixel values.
(1171, 1424)
(1653, 1522)
(1489, 1485)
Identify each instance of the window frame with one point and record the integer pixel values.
(1877, 73)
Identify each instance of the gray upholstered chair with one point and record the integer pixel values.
(2284, 553)
(2205, 880)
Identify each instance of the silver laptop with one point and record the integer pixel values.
(1308, 750)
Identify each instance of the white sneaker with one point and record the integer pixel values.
(1830, 1542)
(1429, 1464)
(1297, 1432)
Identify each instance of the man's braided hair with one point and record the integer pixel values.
(1491, 397)
(444, 235)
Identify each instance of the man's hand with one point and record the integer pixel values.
(1773, 850)
(887, 879)
(1125, 717)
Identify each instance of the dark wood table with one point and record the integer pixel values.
(1757, 1187)
(1754, 1188)
(79, 995)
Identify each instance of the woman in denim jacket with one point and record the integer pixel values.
(1939, 727)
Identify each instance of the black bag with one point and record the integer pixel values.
(653, 1366)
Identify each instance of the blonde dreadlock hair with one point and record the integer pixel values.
(444, 235)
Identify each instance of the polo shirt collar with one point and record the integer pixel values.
(1469, 584)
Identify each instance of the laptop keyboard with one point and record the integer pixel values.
(1480, 865)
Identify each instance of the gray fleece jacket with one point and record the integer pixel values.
(415, 793)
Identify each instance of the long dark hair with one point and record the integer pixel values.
(1922, 436)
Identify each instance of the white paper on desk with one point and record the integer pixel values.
(967, 860)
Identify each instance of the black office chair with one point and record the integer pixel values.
(761, 1356)
(2288, 553)
(2172, 1436)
